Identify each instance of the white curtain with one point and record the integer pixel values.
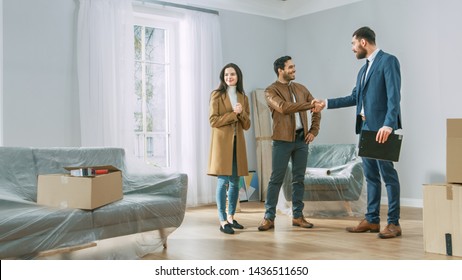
(105, 51)
(106, 74)
(200, 65)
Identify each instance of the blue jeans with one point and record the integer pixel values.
(230, 183)
(282, 152)
(374, 171)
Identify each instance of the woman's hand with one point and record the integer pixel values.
(238, 108)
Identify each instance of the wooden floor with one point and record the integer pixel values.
(199, 238)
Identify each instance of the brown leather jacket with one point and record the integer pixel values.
(278, 97)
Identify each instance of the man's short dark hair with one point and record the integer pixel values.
(280, 63)
(365, 33)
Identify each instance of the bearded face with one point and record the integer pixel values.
(288, 74)
(361, 52)
(357, 48)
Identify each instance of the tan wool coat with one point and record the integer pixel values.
(225, 123)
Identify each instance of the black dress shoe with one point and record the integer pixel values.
(235, 224)
(227, 229)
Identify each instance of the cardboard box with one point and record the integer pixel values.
(454, 151)
(66, 191)
(442, 219)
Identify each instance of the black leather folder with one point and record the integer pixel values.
(370, 148)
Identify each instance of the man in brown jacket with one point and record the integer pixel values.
(289, 102)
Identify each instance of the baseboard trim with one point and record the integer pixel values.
(406, 202)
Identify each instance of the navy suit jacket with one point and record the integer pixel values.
(380, 94)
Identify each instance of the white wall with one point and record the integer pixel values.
(40, 96)
(425, 36)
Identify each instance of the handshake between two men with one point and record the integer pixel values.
(319, 105)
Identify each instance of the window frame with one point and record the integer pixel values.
(151, 18)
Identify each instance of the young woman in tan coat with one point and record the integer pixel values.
(229, 117)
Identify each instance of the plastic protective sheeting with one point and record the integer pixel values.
(153, 205)
(262, 126)
(127, 247)
(334, 183)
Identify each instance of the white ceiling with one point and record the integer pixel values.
(281, 9)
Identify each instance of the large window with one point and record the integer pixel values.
(153, 88)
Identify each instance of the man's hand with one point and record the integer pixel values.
(309, 138)
(319, 105)
(383, 133)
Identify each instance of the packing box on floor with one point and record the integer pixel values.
(442, 219)
(83, 192)
(454, 151)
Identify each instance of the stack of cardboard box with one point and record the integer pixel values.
(442, 209)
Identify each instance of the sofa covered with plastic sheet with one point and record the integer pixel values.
(152, 201)
(333, 173)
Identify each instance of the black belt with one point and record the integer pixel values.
(299, 132)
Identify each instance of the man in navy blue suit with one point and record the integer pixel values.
(377, 100)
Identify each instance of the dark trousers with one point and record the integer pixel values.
(282, 152)
(375, 171)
